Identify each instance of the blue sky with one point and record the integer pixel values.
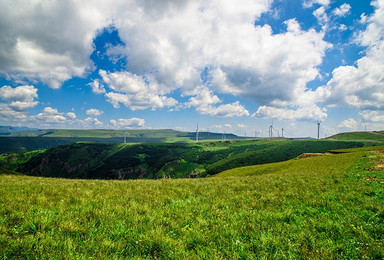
(230, 66)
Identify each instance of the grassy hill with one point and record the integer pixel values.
(374, 136)
(153, 161)
(312, 208)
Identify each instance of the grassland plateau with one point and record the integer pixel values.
(276, 205)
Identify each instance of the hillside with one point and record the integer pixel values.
(324, 207)
(153, 161)
(372, 136)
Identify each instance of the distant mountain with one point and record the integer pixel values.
(8, 130)
(33, 139)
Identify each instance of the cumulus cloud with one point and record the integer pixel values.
(350, 124)
(97, 87)
(126, 123)
(308, 113)
(54, 41)
(91, 122)
(322, 16)
(50, 115)
(135, 92)
(21, 98)
(362, 86)
(310, 3)
(372, 116)
(8, 114)
(225, 110)
(167, 46)
(170, 48)
(94, 112)
(343, 10)
(71, 115)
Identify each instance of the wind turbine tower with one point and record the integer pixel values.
(197, 133)
(282, 132)
(318, 129)
(271, 130)
(125, 137)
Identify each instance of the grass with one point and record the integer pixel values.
(317, 207)
(362, 136)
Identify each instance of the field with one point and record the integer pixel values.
(317, 207)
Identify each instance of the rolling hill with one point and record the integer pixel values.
(371, 136)
(28, 140)
(162, 160)
(323, 207)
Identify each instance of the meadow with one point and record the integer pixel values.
(318, 207)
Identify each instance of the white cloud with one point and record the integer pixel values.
(176, 45)
(91, 121)
(94, 112)
(135, 92)
(21, 97)
(97, 87)
(167, 46)
(21, 93)
(50, 111)
(241, 126)
(310, 3)
(54, 41)
(350, 124)
(308, 113)
(71, 115)
(49, 115)
(22, 105)
(372, 116)
(343, 10)
(343, 27)
(8, 114)
(131, 122)
(322, 16)
(362, 86)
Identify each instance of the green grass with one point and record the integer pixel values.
(318, 207)
(366, 136)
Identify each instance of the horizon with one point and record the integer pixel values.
(230, 67)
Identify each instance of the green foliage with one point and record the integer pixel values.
(282, 152)
(153, 161)
(312, 208)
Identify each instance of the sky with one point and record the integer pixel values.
(228, 66)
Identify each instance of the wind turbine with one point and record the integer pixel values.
(318, 129)
(125, 136)
(197, 133)
(271, 130)
(282, 132)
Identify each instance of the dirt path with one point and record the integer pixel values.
(375, 133)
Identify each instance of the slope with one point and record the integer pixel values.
(301, 213)
(153, 161)
(376, 136)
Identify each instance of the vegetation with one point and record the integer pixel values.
(282, 152)
(319, 207)
(154, 161)
(377, 137)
